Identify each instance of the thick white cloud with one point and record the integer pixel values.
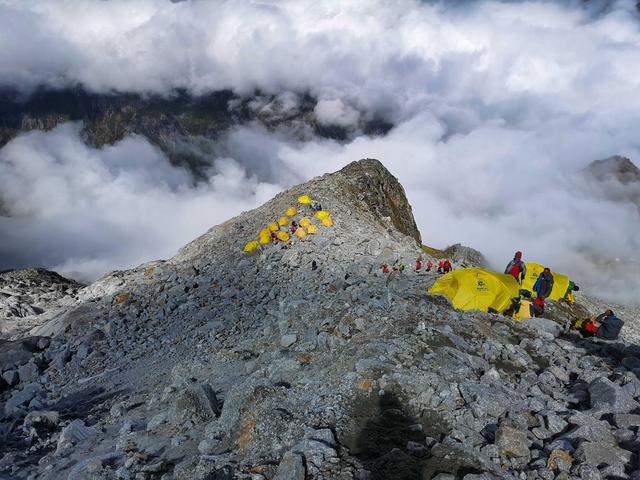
(495, 106)
(335, 112)
(85, 211)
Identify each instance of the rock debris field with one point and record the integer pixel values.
(219, 364)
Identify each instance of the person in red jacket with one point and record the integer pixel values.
(537, 307)
(440, 266)
(516, 267)
(385, 268)
(429, 265)
(446, 266)
(418, 265)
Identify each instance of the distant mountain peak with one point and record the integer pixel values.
(614, 167)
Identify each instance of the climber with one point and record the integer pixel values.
(314, 265)
(544, 284)
(446, 266)
(315, 207)
(606, 326)
(294, 227)
(401, 267)
(440, 266)
(429, 265)
(569, 297)
(516, 267)
(418, 265)
(537, 307)
(385, 268)
(274, 237)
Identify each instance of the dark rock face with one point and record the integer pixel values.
(376, 189)
(176, 123)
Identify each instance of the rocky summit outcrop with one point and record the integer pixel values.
(304, 361)
(615, 178)
(29, 297)
(616, 167)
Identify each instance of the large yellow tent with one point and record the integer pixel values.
(305, 199)
(477, 289)
(560, 281)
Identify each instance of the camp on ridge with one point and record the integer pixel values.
(295, 222)
(489, 291)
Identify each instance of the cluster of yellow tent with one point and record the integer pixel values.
(481, 289)
(305, 225)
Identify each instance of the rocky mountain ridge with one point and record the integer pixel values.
(305, 361)
(185, 127)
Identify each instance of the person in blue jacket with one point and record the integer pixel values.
(544, 284)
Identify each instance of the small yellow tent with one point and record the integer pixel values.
(321, 214)
(251, 246)
(291, 211)
(327, 222)
(560, 281)
(305, 200)
(477, 289)
(305, 222)
(274, 227)
(311, 229)
(265, 236)
(283, 236)
(301, 233)
(283, 221)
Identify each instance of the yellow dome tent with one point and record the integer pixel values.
(327, 222)
(300, 233)
(477, 289)
(283, 221)
(265, 236)
(560, 281)
(283, 236)
(274, 227)
(320, 214)
(305, 200)
(311, 229)
(251, 246)
(305, 222)
(291, 211)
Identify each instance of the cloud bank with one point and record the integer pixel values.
(495, 106)
(86, 211)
